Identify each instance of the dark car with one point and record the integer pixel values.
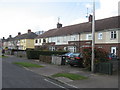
(112, 56)
(76, 59)
(68, 55)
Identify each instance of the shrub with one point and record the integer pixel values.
(34, 54)
(100, 56)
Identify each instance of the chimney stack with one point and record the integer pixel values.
(90, 18)
(29, 30)
(10, 36)
(19, 33)
(59, 25)
(3, 38)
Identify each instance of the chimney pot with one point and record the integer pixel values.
(29, 30)
(19, 33)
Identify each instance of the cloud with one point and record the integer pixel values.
(88, 5)
(79, 20)
(108, 8)
(13, 21)
(47, 1)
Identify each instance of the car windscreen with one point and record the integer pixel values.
(75, 55)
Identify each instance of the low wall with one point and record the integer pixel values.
(51, 59)
(20, 53)
(47, 59)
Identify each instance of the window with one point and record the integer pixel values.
(99, 35)
(58, 39)
(52, 48)
(39, 40)
(72, 48)
(72, 38)
(113, 35)
(36, 41)
(64, 39)
(44, 40)
(89, 37)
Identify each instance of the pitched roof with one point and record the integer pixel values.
(30, 35)
(8, 39)
(107, 23)
(49, 33)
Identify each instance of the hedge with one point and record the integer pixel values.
(34, 54)
(100, 56)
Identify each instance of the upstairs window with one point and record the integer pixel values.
(113, 35)
(100, 35)
(39, 40)
(44, 40)
(89, 36)
(36, 41)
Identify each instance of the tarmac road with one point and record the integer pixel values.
(17, 77)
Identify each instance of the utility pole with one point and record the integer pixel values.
(93, 37)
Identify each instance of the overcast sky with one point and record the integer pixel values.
(21, 15)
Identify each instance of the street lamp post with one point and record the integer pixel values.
(93, 37)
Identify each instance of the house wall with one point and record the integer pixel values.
(40, 41)
(26, 43)
(105, 36)
(11, 45)
(60, 40)
(119, 35)
(29, 43)
(5, 44)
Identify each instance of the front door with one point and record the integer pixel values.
(113, 50)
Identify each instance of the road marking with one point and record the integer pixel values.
(27, 69)
(69, 84)
(54, 83)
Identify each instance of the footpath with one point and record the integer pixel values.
(95, 80)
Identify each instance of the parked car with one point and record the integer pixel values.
(76, 59)
(67, 56)
(112, 56)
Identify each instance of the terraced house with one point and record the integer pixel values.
(21, 41)
(24, 41)
(75, 37)
(8, 43)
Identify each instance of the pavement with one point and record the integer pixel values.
(95, 80)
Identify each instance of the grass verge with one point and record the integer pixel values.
(70, 76)
(27, 64)
(3, 56)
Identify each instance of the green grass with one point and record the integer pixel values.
(70, 76)
(3, 56)
(27, 64)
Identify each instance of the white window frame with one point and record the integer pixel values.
(100, 35)
(89, 36)
(113, 34)
(114, 50)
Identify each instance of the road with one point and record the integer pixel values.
(17, 77)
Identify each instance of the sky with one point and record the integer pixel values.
(42, 15)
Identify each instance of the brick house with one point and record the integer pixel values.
(75, 37)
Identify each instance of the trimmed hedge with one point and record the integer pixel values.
(100, 56)
(34, 54)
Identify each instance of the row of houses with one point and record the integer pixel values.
(71, 38)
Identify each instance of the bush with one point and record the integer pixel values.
(34, 54)
(100, 56)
